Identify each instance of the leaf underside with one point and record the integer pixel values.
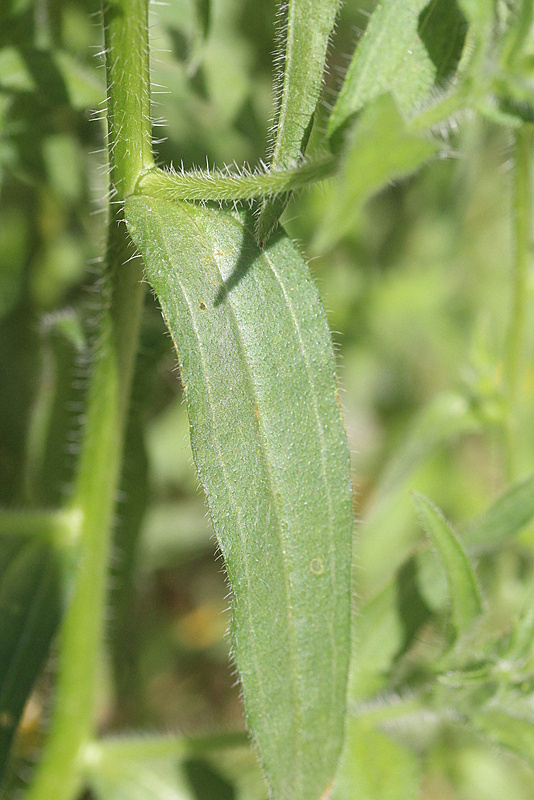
(267, 436)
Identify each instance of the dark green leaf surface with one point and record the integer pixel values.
(408, 47)
(267, 436)
(466, 603)
(307, 29)
(30, 591)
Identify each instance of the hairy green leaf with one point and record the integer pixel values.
(380, 150)
(508, 514)
(466, 603)
(30, 599)
(408, 47)
(258, 373)
(307, 27)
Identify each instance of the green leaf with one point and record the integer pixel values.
(466, 603)
(375, 767)
(446, 417)
(126, 779)
(503, 520)
(30, 600)
(267, 436)
(307, 28)
(53, 77)
(408, 47)
(380, 150)
(512, 732)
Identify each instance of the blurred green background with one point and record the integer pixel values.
(418, 298)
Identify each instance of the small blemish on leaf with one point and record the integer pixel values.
(316, 566)
(202, 306)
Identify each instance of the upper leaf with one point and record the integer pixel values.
(379, 150)
(408, 47)
(258, 373)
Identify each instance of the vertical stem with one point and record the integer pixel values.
(522, 210)
(60, 774)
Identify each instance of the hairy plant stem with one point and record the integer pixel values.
(202, 185)
(59, 775)
(522, 210)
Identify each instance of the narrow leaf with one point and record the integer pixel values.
(503, 520)
(30, 582)
(466, 603)
(307, 28)
(268, 440)
(408, 47)
(380, 150)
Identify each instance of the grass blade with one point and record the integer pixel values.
(508, 514)
(268, 440)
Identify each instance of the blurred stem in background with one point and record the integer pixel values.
(515, 343)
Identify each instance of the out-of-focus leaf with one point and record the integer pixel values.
(306, 32)
(446, 417)
(54, 77)
(503, 520)
(408, 47)
(379, 150)
(383, 629)
(510, 731)
(478, 12)
(266, 432)
(375, 767)
(127, 779)
(520, 644)
(466, 603)
(30, 603)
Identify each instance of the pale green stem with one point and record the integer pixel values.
(103, 755)
(522, 211)
(216, 185)
(59, 776)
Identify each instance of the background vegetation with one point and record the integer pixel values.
(419, 295)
